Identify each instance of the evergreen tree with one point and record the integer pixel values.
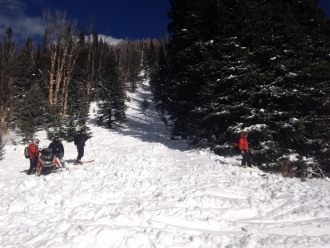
(151, 57)
(30, 112)
(78, 105)
(238, 65)
(135, 59)
(111, 96)
(158, 81)
(30, 104)
(201, 51)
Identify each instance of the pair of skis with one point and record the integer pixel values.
(83, 162)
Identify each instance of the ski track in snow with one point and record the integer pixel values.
(145, 190)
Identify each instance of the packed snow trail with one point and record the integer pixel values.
(145, 190)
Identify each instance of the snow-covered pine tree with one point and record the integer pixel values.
(151, 57)
(286, 78)
(70, 128)
(135, 61)
(31, 111)
(78, 105)
(158, 71)
(253, 65)
(30, 105)
(203, 51)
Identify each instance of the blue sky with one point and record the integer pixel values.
(325, 4)
(114, 19)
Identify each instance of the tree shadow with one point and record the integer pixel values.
(146, 126)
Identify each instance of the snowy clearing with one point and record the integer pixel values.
(145, 190)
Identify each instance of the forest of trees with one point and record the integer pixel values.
(227, 66)
(258, 66)
(50, 86)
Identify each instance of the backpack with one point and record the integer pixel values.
(27, 151)
(47, 154)
(76, 139)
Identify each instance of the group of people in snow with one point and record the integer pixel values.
(81, 138)
(57, 151)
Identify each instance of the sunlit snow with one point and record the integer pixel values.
(146, 190)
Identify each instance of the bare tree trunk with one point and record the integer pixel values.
(3, 107)
(92, 71)
(67, 78)
(51, 74)
(59, 74)
(59, 34)
(2, 99)
(90, 78)
(90, 54)
(10, 106)
(7, 58)
(65, 98)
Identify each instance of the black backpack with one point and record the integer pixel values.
(76, 139)
(47, 154)
(27, 151)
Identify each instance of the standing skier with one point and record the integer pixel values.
(80, 141)
(57, 149)
(33, 155)
(243, 146)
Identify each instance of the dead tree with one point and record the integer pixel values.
(95, 50)
(286, 169)
(129, 63)
(7, 58)
(63, 52)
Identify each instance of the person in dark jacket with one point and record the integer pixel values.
(33, 155)
(243, 146)
(80, 141)
(57, 149)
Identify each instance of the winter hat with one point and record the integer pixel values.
(35, 141)
(82, 130)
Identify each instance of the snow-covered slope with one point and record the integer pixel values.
(145, 190)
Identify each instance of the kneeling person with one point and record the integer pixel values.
(57, 149)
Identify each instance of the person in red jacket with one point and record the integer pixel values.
(243, 146)
(33, 155)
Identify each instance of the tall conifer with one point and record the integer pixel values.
(111, 95)
(250, 65)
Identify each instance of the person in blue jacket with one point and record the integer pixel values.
(80, 141)
(57, 149)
